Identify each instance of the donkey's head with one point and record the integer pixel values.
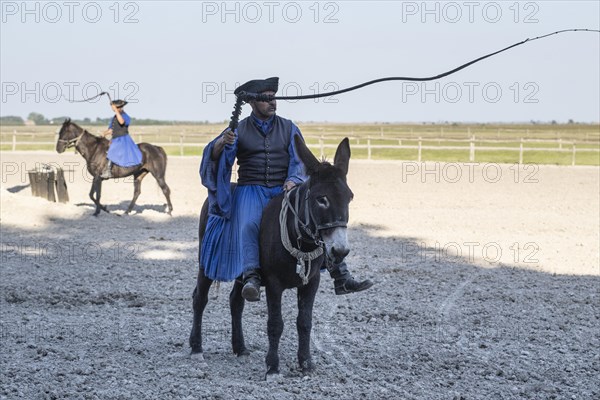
(68, 135)
(329, 197)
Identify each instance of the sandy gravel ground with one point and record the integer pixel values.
(487, 287)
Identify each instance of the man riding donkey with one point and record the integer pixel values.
(267, 165)
(122, 151)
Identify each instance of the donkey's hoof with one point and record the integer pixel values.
(197, 356)
(307, 368)
(273, 376)
(242, 352)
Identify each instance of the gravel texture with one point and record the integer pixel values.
(483, 290)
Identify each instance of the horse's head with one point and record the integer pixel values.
(68, 135)
(329, 197)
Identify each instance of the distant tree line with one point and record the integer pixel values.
(40, 119)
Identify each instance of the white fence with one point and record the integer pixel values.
(473, 145)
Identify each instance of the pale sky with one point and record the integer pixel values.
(181, 60)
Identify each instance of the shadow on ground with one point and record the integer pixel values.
(102, 307)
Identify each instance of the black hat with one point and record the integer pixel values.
(259, 86)
(119, 103)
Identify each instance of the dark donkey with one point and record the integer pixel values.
(314, 217)
(94, 148)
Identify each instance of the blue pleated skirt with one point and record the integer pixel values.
(124, 152)
(230, 246)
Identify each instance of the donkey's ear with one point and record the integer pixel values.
(67, 120)
(310, 161)
(342, 156)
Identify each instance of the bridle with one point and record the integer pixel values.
(303, 230)
(74, 141)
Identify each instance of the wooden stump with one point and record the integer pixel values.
(61, 186)
(49, 184)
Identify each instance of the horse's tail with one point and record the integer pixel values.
(155, 159)
(163, 160)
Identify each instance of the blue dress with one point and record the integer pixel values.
(123, 151)
(230, 244)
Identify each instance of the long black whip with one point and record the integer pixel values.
(247, 96)
(90, 98)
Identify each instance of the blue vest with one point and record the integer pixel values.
(263, 159)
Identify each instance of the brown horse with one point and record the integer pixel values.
(94, 148)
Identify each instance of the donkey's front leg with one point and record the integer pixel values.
(200, 299)
(306, 299)
(274, 327)
(236, 305)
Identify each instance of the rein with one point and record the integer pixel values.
(304, 265)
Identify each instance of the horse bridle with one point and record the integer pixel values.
(72, 142)
(309, 218)
(304, 258)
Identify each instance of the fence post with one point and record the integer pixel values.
(14, 141)
(521, 152)
(472, 149)
(381, 130)
(574, 151)
(560, 143)
(321, 147)
(419, 151)
(180, 145)
(368, 149)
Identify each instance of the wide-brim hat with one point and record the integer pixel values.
(259, 86)
(119, 103)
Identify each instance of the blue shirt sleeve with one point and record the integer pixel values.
(216, 177)
(296, 170)
(126, 119)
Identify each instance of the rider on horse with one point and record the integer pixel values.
(122, 151)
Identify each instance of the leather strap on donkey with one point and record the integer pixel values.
(304, 265)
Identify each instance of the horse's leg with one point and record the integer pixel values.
(274, 327)
(160, 178)
(200, 299)
(306, 299)
(95, 195)
(167, 192)
(137, 189)
(236, 304)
